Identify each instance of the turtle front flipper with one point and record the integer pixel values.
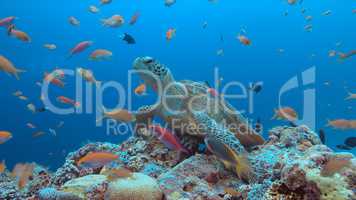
(144, 118)
(225, 146)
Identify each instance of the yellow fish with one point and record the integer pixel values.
(238, 163)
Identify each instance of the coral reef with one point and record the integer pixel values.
(137, 187)
(287, 166)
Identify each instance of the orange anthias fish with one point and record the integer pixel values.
(103, 2)
(100, 54)
(351, 96)
(97, 159)
(141, 89)
(2, 166)
(340, 124)
(23, 172)
(120, 115)
(114, 21)
(5, 136)
(292, 2)
(73, 21)
(18, 34)
(171, 33)
(8, 67)
(93, 9)
(38, 134)
(80, 47)
(87, 75)
(51, 78)
(114, 174)
(67, 100)
(134, 18)
(168, 138)
(285, 113)
(58, 73)
(30, 125)
(244, 40)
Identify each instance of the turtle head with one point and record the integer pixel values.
(152, 72)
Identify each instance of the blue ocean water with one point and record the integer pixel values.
(189, 55)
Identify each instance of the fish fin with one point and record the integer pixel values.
(104, 22)
(328, 123)
(134, 118)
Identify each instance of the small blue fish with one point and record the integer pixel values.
(128, 38)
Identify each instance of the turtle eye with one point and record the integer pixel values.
(148, 60)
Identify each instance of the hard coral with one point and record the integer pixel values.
(138, 187)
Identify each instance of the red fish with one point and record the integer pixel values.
(7, 21)
(80, 47)
(67, 100)
(213, 92)
(168, 138)
(347, 55)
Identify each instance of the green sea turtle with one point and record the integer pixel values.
(190, 110)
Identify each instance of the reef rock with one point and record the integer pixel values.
(84, 187)
(137, 187)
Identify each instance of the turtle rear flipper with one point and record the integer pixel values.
(247, 136)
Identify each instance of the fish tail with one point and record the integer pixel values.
(77, 104)
(275, 115)
(243, 168)
(184, 150)
(16, 74)
(104, 22)
(20, 70)
(98, 83)
(103, 116)
(350, 95)
(328, 124)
